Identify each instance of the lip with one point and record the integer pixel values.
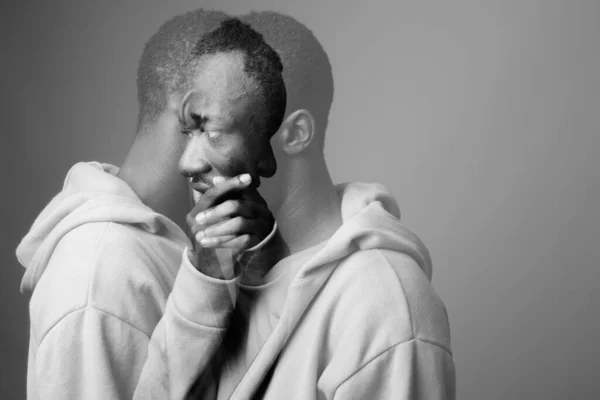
(200, 187)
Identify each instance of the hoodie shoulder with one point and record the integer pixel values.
(385, 294)
(375, 300)
(107, 266)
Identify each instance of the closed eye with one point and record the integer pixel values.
(213, 134)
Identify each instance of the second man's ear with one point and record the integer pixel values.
(188, 102)
(297, 132)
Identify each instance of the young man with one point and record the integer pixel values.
(116, 304)
(351, 313)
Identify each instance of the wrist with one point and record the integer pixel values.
(208, 264)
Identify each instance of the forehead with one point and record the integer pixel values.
(225, 87)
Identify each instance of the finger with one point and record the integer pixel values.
(230, 209)
(220, 191)
(235, 226)
(226, 186)
(191, 221)
(215, 241)
(217, 180)
(195, 228)
(238, 242)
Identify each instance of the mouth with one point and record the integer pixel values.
(199, 186)
(198, 189)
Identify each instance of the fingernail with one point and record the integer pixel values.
(200, 218)
(199, 236)
(218, 179)
(245, 178)
(206, 242)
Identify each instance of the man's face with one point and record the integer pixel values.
(218, 116)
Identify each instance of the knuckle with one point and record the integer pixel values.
(232, 206)
(230, 184)
(195, 229)
(238, 223)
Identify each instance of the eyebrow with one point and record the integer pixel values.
(221, 122)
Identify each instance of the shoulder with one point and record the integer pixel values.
(385, 294)
(376, 303)
(110, 267)
(112, 252)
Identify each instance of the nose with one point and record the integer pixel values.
(192, 161)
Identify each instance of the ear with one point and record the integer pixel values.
(184, 109)
(190, 101)
(297, 132)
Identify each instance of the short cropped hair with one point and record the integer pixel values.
(166, 60)
(307, 71)
(261, 63)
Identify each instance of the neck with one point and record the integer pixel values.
(150, 169)
(311, 211)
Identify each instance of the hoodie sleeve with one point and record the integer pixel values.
(91, 354)
(187, 337)
(413, 370)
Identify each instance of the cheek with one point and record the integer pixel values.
(234, 159)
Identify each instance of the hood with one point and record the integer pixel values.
(371, 220)
(91, 193)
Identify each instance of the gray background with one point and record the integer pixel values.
(482, 117)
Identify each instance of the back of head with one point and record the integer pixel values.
(166, 60)
(306, 68)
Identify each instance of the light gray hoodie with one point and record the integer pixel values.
(117, 310)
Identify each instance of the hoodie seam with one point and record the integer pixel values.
(87, 306)
(93, 278)
(119, 319)
(410, 316)
(94, 263)
(87, 302)
(384, 352)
